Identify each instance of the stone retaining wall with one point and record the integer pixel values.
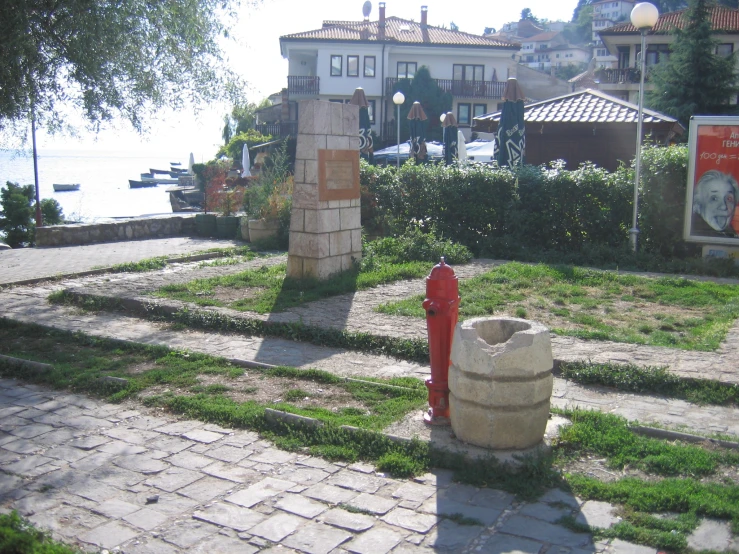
(129, 229)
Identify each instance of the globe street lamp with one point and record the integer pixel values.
(644, 16)
(398, 99)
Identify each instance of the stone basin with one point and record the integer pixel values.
(500, 382)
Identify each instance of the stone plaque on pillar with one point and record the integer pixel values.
(325, 226)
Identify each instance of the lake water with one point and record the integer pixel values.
(103, 176)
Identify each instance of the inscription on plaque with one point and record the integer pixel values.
(338, 174)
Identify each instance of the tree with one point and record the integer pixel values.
(526, 14)
(51, 212)
(694, 80)
(424, 89)
(16, 214)
(109, 58)
(242, 118)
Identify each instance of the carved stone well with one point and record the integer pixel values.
(500, 382)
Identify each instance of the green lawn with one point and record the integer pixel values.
(266, 289)
(602, 305)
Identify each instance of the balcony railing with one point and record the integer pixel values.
(303, 85)
(279, 129)
(461, 89)
(622, 75)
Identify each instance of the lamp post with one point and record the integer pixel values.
(398, 99)
(644, 16)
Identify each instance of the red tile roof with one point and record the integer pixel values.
(400, 31)
(722, 19)
(549, 35)
(588, 106)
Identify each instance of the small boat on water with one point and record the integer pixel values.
(140, 184)
(60, 187)
(159, 180)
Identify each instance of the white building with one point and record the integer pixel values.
(607, 13)
(623, 43)
(331, 62)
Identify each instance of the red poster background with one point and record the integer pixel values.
(711, 153)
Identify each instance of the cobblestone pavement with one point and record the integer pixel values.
(22, 264)
(127, 477)
(111, 476)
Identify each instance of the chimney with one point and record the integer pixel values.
(424, 16)
(381, 26)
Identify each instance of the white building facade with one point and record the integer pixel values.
(331, 62)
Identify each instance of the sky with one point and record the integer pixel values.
(254, 52)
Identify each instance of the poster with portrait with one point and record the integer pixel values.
(711, 214)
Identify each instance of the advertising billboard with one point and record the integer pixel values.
(711, 214)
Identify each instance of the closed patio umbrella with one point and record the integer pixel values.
(365, 127)
(450, 138)
(461, 147)
(511, 129)
(245, 162)
(417, 122)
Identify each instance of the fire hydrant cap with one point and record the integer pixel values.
(441, 271)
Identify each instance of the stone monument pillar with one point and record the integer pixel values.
(325, 225)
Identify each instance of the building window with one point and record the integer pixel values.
(468, 72)
(352, 66)
(479, 110)
(463, 114)
(601, 52)
(725, 50)
(406, 70)
(371, 110)
(657, 53)
(336, 66)
(369, 66)
(336, 100)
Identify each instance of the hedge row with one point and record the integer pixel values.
(492, 211)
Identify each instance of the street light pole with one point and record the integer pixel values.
(398, 99)
(644, 16)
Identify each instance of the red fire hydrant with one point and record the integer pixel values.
(442, 311)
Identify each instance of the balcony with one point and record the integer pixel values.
(297, 85)
(619, 76)
(279, 129)
(461, 89)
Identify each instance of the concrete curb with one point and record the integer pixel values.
(28, 365)
(677, 435)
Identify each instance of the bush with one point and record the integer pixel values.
(51, 212)
(415, 245)
(235, 147)
(544, 213)
(16, 215)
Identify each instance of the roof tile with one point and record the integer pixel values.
(397, 30)
(583, 107)
(722, 19)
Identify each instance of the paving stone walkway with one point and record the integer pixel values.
(137, 480)
(33, 263)
(123, 477)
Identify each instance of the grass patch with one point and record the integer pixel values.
(19, 536)
(608, 435)
(267, 289)
(652, 380)
(461, 519)
(600, 305)
(80, 360)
